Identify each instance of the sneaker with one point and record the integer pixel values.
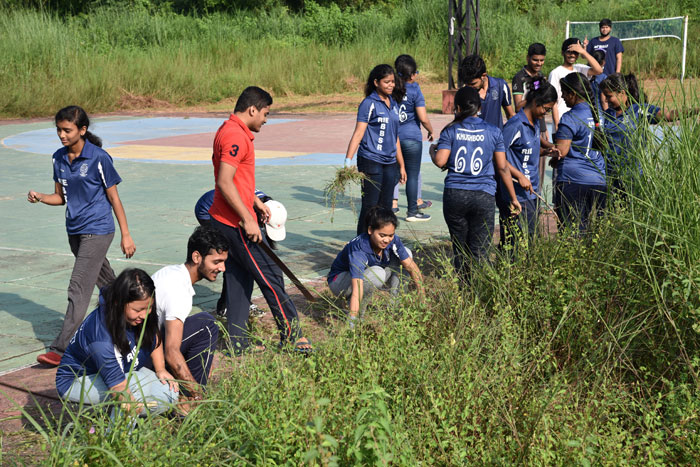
(395, 210)
(418, 217)
(425, 205)
(255, 312)
(49, 358)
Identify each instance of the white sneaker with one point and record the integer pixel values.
(418, 217)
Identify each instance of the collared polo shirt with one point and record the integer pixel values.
(358, 255)
(92, 351)
(522, 141)
(409, 130)
(84, 181)
(233, 145)
(472, 143)
(497, 96)
(379, 141)
(583, 165)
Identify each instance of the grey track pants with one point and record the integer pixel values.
(91, 268)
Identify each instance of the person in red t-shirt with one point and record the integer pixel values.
(235, 213)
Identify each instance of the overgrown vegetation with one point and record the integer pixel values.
(582, 351)
(108, 52)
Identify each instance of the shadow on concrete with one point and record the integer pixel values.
(45, 321)
(305, 193)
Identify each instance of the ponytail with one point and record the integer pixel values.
(76, 115)
(578, 84)
(405, 67)
(467, 104)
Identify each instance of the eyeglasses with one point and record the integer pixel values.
(547, 109)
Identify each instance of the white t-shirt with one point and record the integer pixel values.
(174, 293)
(557, 74)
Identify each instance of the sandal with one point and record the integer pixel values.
(301, 348)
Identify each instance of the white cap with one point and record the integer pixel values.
(278, 217)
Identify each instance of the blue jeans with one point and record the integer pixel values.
(378, 189)
(575, 203)
(143, 384)
(469, 216)
(412, 154)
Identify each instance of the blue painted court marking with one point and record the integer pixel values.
(45, 141)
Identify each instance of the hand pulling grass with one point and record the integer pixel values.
(343, 181)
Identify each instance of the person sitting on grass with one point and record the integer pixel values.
(371, 262)
(118, 352)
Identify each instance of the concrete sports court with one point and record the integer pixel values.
(165, 164)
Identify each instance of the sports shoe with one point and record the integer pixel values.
(395, 210)
(418, 217)
(425, 205)
(49, 358)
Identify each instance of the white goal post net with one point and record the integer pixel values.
(676, 28)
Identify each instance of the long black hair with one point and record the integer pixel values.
(540, 91)
(405, 67)
(578, 84)
(467, 104)
(129, 286)
(619, 83)
(378, 73)
(79, 117)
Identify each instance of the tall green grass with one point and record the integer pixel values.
(97, 59)
(580, 351)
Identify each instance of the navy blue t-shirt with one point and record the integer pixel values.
(583, 165)
(92, 351)
(201, 209)
(497, 96)
(84, 181)
(522, 141)
(358, 255)
(611, 47)
(379, 141)
(472, 143)
(409, 130)
(620, 130)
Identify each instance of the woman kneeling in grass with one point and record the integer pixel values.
(371, 261)
(117, 348)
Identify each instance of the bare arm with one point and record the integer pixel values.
(356, 296)
(360, 128)
(519, 101)
(127, 243)
(499, 159)
(423, 118)
(158, 360)
(399, 160)
(51, 199)
(555, 116)
(509, 111)
(520, 177)
(441, 157)
(415, 273)
(228, 189)
(175, 359)
(596, 69)
(564, 146)
(618, 65)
